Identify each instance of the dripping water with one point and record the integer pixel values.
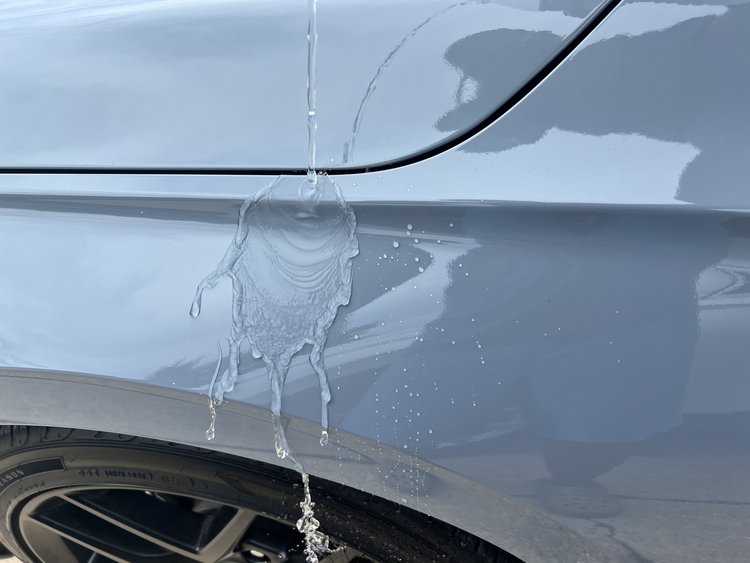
(290, 265)
(211, 432)
(372, 86)
(316, 542)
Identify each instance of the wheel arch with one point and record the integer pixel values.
(79, 401)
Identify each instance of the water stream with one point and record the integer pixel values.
(290, 264)
(312, 92)
(348, 152)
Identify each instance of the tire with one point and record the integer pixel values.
(66, 495)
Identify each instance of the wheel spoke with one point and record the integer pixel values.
(171, 525)
(62, 527)
(227, 538)
(126, 524)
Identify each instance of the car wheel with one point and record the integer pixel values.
(71, 495)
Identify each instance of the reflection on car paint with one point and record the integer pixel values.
(349, 145)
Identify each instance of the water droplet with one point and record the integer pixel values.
(195, 308)
(356, 337)
(280, 451)
(324, 438)
(421, 269)
(395, 244)
(451, 224)
(409, 226)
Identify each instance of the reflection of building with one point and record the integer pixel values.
(719, 381)
(726, 284)
(578, 8)
(622, 284)
(692, 99)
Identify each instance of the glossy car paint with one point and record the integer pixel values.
(220, 83)
(585, 262)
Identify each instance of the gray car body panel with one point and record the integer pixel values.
(220, 83)
(585, 279)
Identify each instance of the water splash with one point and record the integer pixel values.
(316, 542)
(290, 265)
